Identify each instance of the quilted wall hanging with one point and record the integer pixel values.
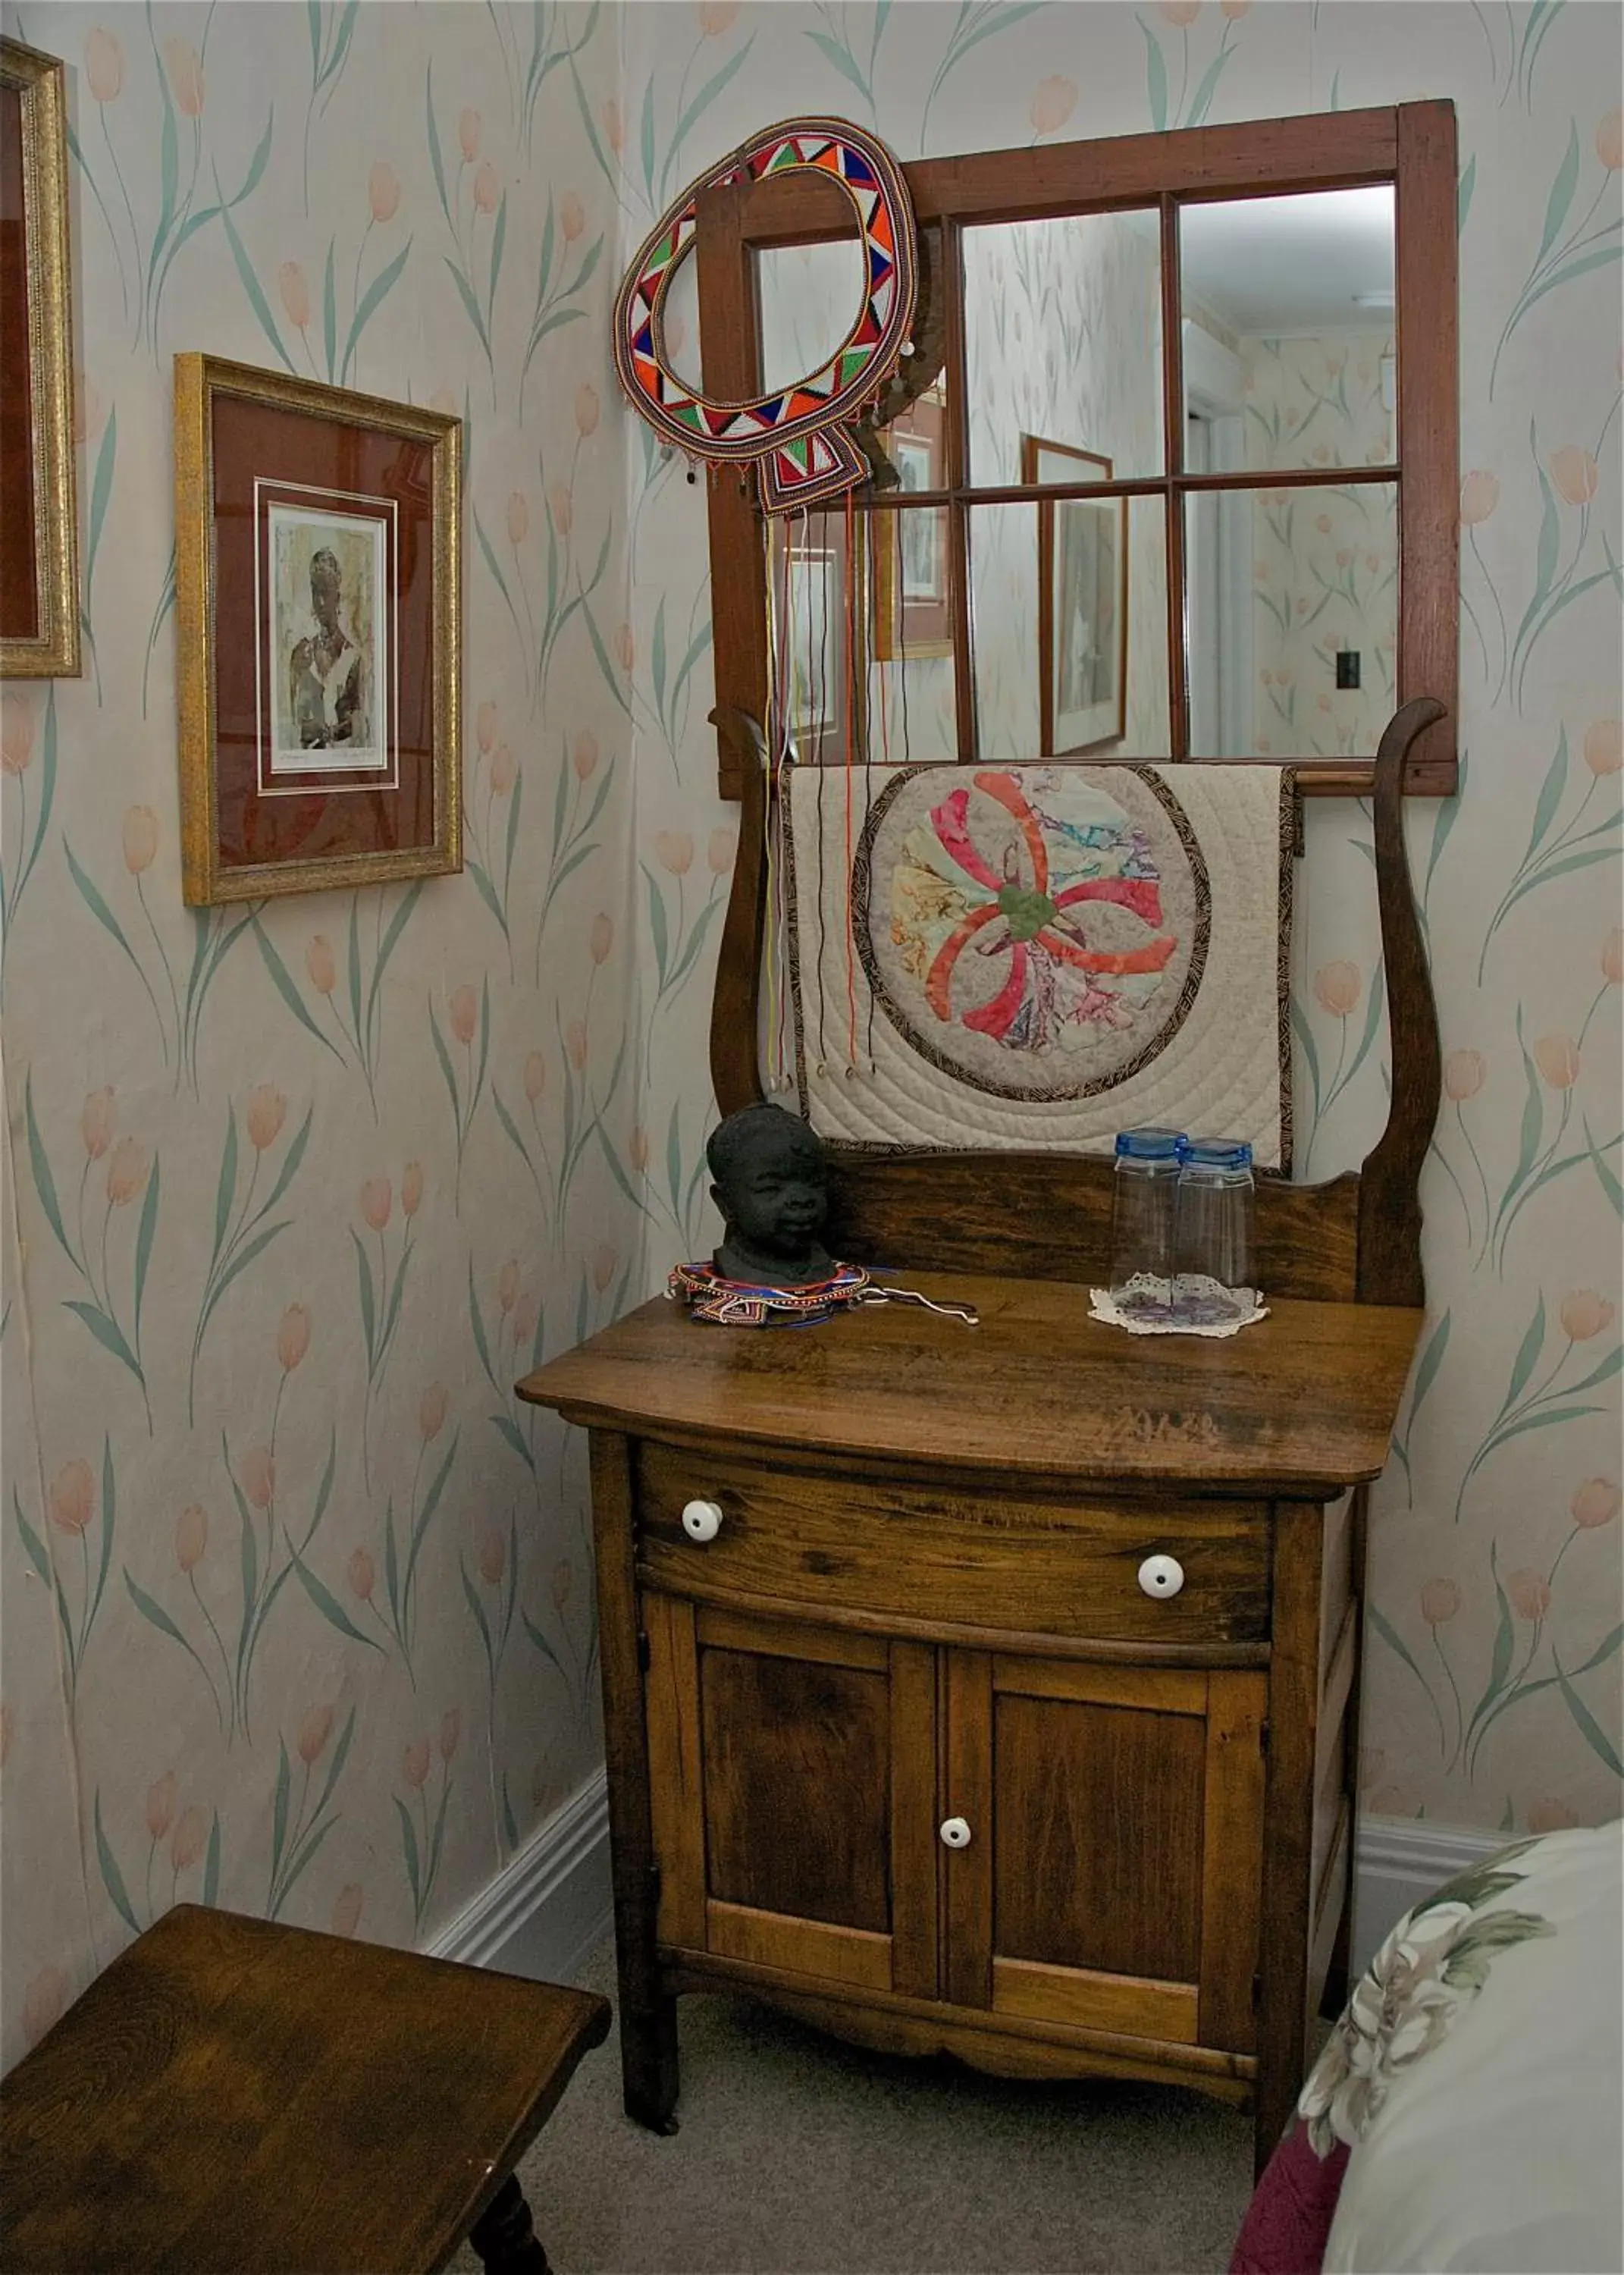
(796, 437)
(1033, 957)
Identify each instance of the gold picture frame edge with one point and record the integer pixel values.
(1030, 446)
(56, 651)
(205, 881)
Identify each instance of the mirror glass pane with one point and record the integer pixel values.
(1292, 617)
(1070, 628)
(887, 584)
(1287, 336)
(1062, 340)
(810, 296)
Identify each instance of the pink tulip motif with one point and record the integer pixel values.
(362, 1575)
(571, 216)
(103, 65)
(383, 192)
(1053, 104)
(190, 1537)
(96, 1122)
(190, 1836)
(584, 757)
(185, 77)
(72, 1497)
(16, 732)
(300, 1829)
(347, 1908)
(266, 1112)
(163, 1800)
(463, 1013)
(382, 1280)
(1603, 746)
(320, 963)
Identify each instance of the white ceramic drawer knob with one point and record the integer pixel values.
(954, 1833)
(701, 1520)
(1161, 1576)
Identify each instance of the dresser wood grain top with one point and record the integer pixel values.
(1306, 1399)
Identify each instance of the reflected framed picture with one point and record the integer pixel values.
(39, 519)
(318, 549)
(911, 600)
(1083, 601)
(815, 611)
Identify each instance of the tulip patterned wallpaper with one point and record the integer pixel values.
(297, 1602)
(1493, 1694)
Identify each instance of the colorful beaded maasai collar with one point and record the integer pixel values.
(743, 1303)
(795, 436)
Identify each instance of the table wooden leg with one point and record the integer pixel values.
(504, 2236)
(648, 2058)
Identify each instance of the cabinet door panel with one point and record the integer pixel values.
(797, 1787)
(1112, 1876)
(792, 1774)
(1097, 1858)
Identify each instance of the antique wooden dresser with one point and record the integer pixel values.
(993, 1690)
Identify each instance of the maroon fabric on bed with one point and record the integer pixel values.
(1290, 2215)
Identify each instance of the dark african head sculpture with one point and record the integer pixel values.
(772, 1188)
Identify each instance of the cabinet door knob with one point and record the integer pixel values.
(701, 1520)
(1161, 1576)
(955, 1832)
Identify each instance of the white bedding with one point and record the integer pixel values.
(1476, 2075)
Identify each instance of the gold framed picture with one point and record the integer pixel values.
(912, 602)
(318, 554)
(39, 516)
(1081, 601)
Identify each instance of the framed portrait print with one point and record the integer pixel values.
(813, 569)
(318, 547)
(911, 604)
(39, 521)
(1081, 601)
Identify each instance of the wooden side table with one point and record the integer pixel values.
(234, 2093)
(990, 1690)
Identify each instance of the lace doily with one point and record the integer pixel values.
(1202, 1307)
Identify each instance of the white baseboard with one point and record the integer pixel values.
(1396, 1862)
(550, 1906)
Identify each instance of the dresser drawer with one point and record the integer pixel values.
(1071, 1569)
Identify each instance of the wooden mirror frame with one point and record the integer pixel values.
(1411, 145)
(1358, 1237)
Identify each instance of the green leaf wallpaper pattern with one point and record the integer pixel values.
(367, 1659)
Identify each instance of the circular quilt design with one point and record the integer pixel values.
(1040, 932)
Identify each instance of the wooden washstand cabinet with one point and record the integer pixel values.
(994, 1691)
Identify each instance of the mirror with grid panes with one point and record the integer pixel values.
(1165, 483)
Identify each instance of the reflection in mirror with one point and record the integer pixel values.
(810, 296)
(866, 659)
(1070, 628)
(1288, 328)
(1292, 599)
(1062, 339)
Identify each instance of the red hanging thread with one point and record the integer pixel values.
(851, 666)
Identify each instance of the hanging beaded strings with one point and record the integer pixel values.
(775, 728)
(818, 639)
(851, 708)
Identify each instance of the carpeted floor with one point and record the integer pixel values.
(797, 2153)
